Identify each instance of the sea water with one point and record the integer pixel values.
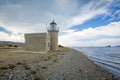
(106, 57)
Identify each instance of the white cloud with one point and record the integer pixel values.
(35, 15)
(29, 14)
(102, 35)
(13, 37)
(90, 10)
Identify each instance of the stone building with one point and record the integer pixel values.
(43, 42)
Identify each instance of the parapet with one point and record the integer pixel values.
(32, 35)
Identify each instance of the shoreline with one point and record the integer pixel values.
(59, 65)
(100, 57)
(79, 67)
(113, 75)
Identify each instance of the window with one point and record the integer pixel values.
(48, 44)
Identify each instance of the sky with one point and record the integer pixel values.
(81, 22)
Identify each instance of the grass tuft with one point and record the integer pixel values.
(3, 67)
(44, 67)
(21, 63)
(38, 78)
(33, 72)
(26, 67)
(54, 60)
(9, 66)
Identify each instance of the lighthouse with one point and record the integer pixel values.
(43, 42)
(53, 32)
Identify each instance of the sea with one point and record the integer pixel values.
(106, 57)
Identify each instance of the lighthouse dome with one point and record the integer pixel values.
(53, 27)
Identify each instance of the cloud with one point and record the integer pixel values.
(102, 35)
(5, 30)
(36, 13)
(13, 37)
(113, 12)
(34, 16)
(115, 15)
(89, 11)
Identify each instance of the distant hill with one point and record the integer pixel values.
(10, 43)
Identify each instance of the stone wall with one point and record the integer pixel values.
(37, 42)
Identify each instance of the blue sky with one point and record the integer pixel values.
(81, 22)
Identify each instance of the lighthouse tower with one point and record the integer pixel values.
(53, 32)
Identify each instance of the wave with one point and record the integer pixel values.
(108, 58)
(113, 69)
(107, 61)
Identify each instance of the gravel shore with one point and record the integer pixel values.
(78, 67)
(60, 65)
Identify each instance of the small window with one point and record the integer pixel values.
(48, 44)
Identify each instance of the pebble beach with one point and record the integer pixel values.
(60, 65)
